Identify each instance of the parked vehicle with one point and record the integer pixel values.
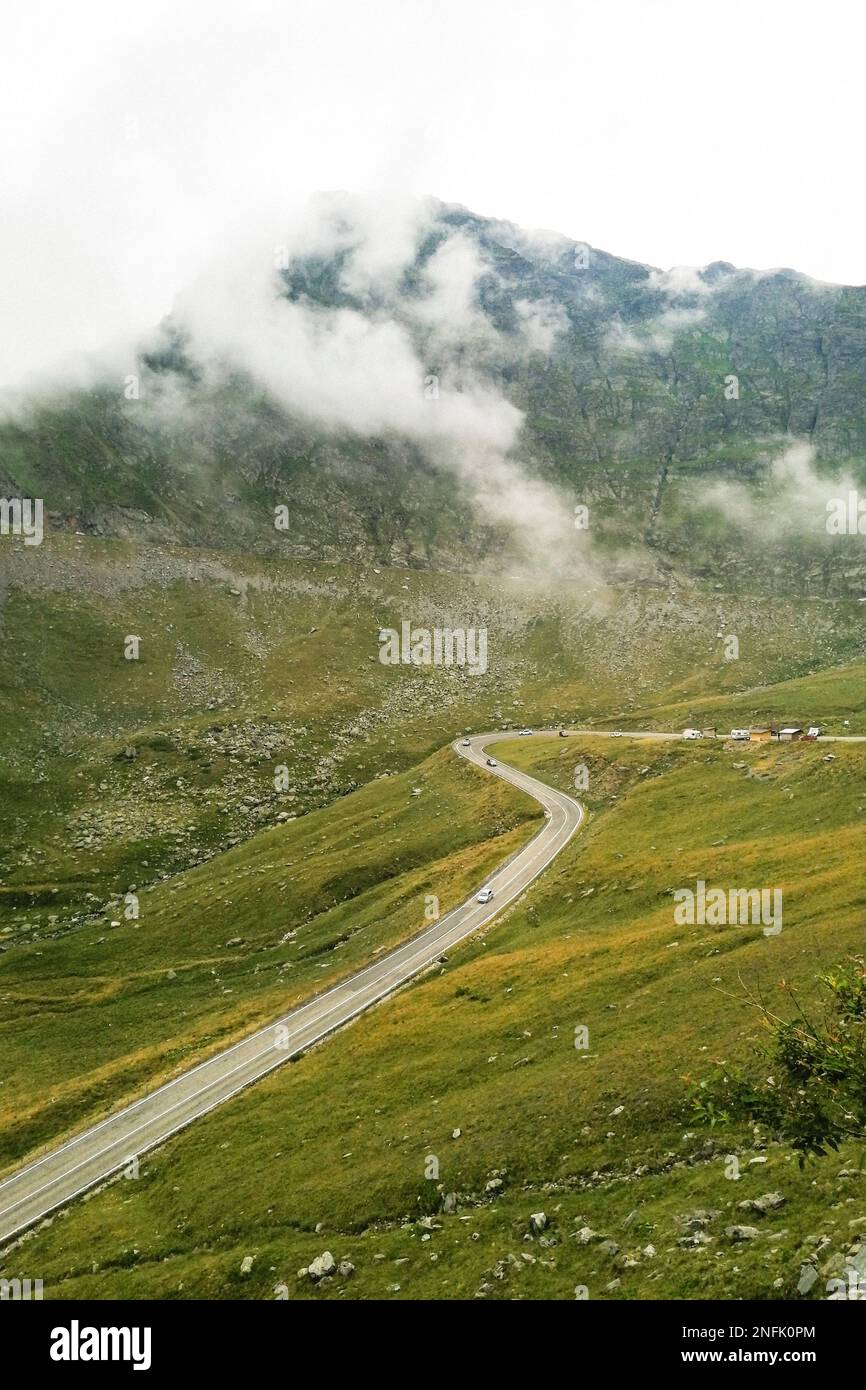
(740, 735)
(692, 733)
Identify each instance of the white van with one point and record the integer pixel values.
(692, 733)
(741, 735)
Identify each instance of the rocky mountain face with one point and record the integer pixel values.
(493, 398)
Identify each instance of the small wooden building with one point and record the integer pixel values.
(762, 734)
(790, 734)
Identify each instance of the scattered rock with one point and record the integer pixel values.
(699, 1218)
(737, 1233)
(694, 1240)
(771, 1201)
(586, 1235)
(322, 1267)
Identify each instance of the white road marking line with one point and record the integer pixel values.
(423, 950)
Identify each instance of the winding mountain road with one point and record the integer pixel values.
(95, 1154)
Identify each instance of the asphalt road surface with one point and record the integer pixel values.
(94, 1155)
(110, 1146)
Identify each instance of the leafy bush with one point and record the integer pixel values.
(814, 1094)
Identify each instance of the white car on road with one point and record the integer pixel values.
(524, 732)
(465, 743)
(485, 895)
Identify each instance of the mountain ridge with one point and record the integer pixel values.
(452, 412)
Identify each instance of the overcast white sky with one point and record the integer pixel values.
(136, 139)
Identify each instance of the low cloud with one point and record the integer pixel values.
(681, 281)
(681, 287)
(792, 499)
(541, 323)
(655, 335)
(405, 356)
(396, 367)
(347, 369)
(450, 305)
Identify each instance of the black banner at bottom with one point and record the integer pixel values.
(59, 1339)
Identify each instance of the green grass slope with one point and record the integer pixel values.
(116, 773)
(112, 1007)
(600, 1140)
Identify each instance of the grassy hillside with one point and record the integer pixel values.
(601, 1139)
(117, 773)
(834, 698)
(109, 1008)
